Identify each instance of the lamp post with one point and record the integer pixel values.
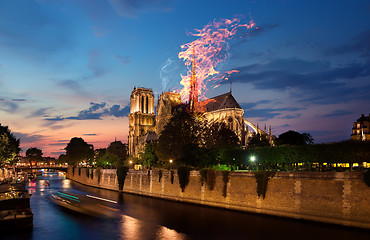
(253, 160)
(171, 161)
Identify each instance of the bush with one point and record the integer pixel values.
(203, 175)
(99, 172)
(172, 176)
(183, 173)
(211, 179)
(262, 178)
(160, 175)
(367, 177)
(121, 176)
(225, 179)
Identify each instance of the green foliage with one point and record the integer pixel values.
(179, 140)
(62, 159)
(183, 174)
(262, 178)
(203, 175)
(34, 155)
(258, 141)
(289, 156)
(99, 173)
(225, 179)
(160, 175)
(231, 156)
(211, 179)
(100, 157)
(121, 176)
(219, 136)
(109, 159)
(367, 177)
(148, 157)
(118, 151)
(9, 147)
(77, 150)
(172, 176)
(294, 138)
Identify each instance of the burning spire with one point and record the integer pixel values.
(193, 94)
(204, 55)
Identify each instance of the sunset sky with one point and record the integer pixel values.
(67, 67)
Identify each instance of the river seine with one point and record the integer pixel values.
(147, 218)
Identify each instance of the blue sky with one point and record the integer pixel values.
(67, 68)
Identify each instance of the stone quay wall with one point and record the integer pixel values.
(332, 197)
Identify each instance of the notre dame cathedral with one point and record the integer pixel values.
(145, 125)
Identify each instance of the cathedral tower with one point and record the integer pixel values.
(141, 118)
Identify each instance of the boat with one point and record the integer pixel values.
(86, 204)
(15, 211)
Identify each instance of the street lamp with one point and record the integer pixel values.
(171, 161)
(253, 158)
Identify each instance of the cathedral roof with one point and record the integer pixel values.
(222, 101)
(150, 137)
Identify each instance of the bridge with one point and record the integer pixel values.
(25, 168)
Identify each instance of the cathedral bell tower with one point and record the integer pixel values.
(141, 118)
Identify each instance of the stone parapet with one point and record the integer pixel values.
(332, 197)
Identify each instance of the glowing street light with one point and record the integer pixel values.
(253, 158)
(130, 161)
(171, 161)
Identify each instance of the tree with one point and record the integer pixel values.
(218, 136)
(34, 155)
(179, 140)
(119, 150)
(294, 138)
(148, 157)
(100, 157)
(258, 140)
(9, 146)
(77, 150)
(62, 159)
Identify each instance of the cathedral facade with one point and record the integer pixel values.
(145, 125)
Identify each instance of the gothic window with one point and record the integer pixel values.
(147, 105)
(142, 104)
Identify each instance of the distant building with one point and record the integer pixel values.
(361, 129)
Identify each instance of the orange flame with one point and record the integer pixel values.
(210, 49)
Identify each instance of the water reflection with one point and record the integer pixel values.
(133, 228)
(166, 233)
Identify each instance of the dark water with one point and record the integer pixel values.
(146, 218)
